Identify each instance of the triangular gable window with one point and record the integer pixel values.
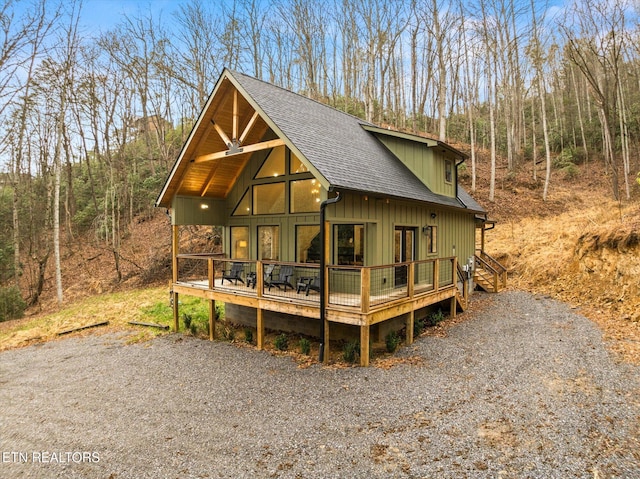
(244, 206)
(273, 166)
(297, 166)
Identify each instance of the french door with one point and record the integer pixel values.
(404, 247)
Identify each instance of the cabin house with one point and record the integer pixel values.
(332, 225)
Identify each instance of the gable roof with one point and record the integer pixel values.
(335, 145)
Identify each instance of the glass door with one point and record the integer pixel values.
(404, 250)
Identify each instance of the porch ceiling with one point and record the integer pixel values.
(208, 167)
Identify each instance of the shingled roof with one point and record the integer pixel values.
(337, 145)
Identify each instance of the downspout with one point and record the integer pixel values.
(323, 264)
(462, 160)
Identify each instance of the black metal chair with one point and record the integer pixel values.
(233, 274)
(309, 283)
(283, 278)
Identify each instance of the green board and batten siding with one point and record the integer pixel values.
(424, 162)
(380, 215)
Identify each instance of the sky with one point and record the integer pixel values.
(101, 15)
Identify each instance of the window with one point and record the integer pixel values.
(268, 199)
(432, 238)
(305, 196)
(240, 242)
(308, 244)
(350, 244)
(297, 166)
(273, 166)
(448, 171)
(268, 243)
(244, 206)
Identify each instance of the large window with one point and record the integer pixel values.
(240, 242)
(305, 196)
(273, 166)
(244, 206)
(308, 244)
(268, 199)
(269, 243)
(297, 166)
(350, 244)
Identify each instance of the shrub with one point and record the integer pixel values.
(12, 305)
(282, 342)
(248, 335)
(193, 327)
(435, 318)
(186, 319)
(392, 341)
(305, 346)
(419, 325)
(350, 351)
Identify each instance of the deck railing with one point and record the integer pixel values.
(362, 287)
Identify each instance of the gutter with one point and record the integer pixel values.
(323, 264)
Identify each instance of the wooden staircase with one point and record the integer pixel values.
(489, 274)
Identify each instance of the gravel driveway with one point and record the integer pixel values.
(522, 388)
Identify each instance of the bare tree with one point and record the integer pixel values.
(594, 44)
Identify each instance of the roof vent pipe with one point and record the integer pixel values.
(323, 266)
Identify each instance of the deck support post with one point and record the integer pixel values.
(176, 312)
(260, 328)
(410, 321)
(325, 345)
(212, 319)
(364, 344)
(175, 237)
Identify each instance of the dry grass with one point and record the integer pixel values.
(117, 308)
(588, 256)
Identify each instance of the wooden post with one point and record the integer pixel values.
(212, 319)
(436, 274)
(364, 344)
(176, 313)
(175, 250)
(210, 271)
(410, 321)
(259, 279)
(454, 278)
(260, 328)
(327, 349)
(411, 279)
(365, 289)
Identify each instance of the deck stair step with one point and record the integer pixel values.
(489, 274)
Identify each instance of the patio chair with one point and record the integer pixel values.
(268, 272)
(233, 274)
(308, 284)
(283, 278)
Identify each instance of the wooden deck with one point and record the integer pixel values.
(359, 296)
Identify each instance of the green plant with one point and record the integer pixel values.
(350, 351)
(282, 342)
(12, 305)
(186, 319)
(435, 318)
(193, 327)
(248, 335)
(305, 346)
(419, 325)
(392, 341)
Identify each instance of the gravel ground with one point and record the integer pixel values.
(521, 387)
